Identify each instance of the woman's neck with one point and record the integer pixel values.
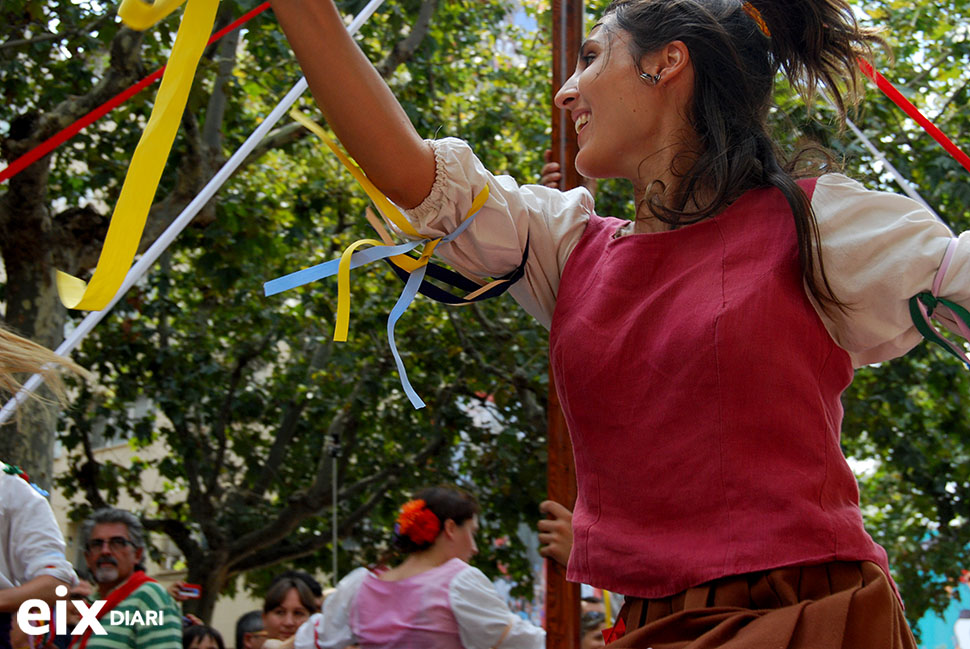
(666, 193)
(416, 563)
(660, 181)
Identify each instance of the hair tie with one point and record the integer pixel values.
(756, 16)
(417, 523)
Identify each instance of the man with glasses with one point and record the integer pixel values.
(114, 546)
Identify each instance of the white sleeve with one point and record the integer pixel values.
(331, 628)
(484, 621)
(34, 545)
(880, 249)
(550, 220)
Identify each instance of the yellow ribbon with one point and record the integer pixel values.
(342, 325)
(391, 213)
(140, 15)
(148, 161)
(343, 289)
(384, 206)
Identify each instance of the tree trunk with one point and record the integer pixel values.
(32, 310)
(212, 577)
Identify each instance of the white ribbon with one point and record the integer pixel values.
(155, 251)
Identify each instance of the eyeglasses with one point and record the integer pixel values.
(592, 619)
(115, 543)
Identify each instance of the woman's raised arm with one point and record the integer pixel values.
(356, 102)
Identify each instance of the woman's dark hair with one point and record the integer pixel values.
(279, 589)
(303, 576)
(200, 632)
(814, 41)
(446, 502)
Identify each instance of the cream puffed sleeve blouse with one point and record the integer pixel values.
(879, 249)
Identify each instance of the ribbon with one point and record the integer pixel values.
(925, 305)
(67, 133)
(897, 97)
(91, 320)
(383, 249)
(116, 597)
(141, 15)
(922, 308)
(151, 153)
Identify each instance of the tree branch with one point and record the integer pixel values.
(67, 33)
(405, 48)
(319, 357)
(176, 530)
(244, 549)
(216, 109)
(928, 69)
(345, 421)
(949, 101)
(384, 480)
(288, 134)
(224, 415)
(89, 472)
(125, 68)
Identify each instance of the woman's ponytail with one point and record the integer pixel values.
(818, 43)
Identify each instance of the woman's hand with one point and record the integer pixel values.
(273, 643)
(555, 532)
(550, 174)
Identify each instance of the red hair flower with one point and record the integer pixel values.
(418, 523)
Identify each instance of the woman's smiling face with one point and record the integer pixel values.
(282, 621)
(621, 119)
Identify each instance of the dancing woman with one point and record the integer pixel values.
(433, 599)
(700, 349)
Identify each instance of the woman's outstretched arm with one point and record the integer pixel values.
(356, 102)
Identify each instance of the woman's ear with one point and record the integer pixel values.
(450, 528)
(668, 62)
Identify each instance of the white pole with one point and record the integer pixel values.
(904, 184)
(154, 252)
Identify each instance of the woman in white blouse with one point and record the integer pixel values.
(432, 600)
(32, 561)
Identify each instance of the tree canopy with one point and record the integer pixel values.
(248, 392)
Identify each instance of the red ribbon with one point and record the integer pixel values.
(66, 134)
(615, 632)
(890, 90)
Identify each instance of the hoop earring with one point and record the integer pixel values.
(652, 79)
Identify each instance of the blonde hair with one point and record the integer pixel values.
(19, 357)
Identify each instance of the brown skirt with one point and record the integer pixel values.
(845, 605)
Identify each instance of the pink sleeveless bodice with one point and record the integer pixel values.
(702, 394)
(410, 613)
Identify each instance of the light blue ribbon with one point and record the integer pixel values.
(329, 268)
(361, 258)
